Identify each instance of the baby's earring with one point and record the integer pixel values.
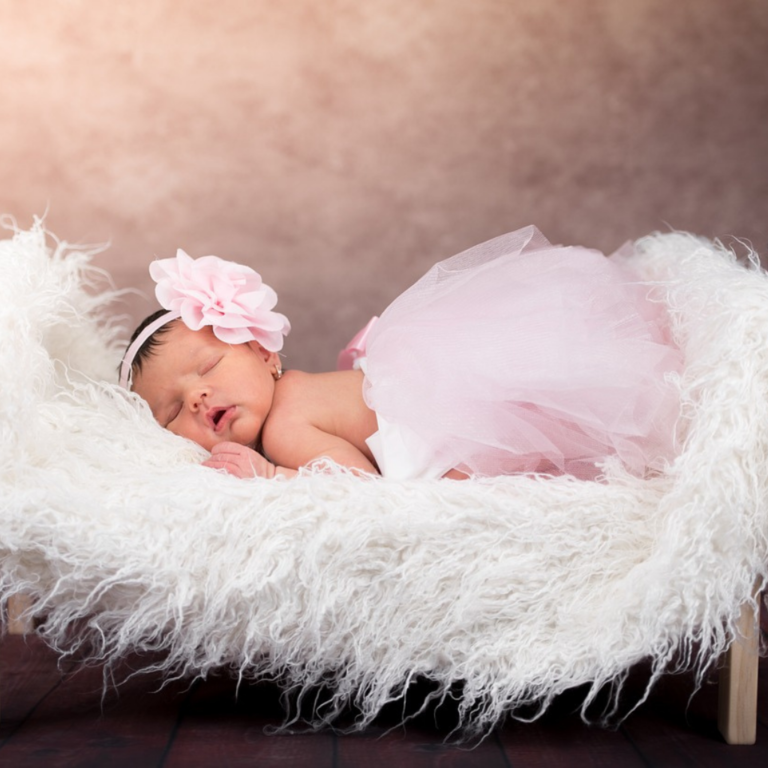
(278, 372)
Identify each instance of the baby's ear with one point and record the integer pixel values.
(267, 357)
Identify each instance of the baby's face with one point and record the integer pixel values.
(206, 390)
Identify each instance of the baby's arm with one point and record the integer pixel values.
(301, 444)
(241, 461)
(315, 417)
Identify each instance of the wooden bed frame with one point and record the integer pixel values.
(737, 701)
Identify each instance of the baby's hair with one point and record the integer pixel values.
(152, 342)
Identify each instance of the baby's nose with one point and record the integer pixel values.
(196, 398)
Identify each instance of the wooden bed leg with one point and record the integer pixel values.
(17, 623)
(737, 705)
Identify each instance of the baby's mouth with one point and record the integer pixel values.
(219, 417)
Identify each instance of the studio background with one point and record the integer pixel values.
(341, 147)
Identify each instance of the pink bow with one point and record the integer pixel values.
(229, 297)
(356, 348)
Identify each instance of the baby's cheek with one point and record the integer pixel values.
(192, 431)
(245, 432)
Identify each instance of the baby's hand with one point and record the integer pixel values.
(239, 460)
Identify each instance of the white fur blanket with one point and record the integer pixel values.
(521, 587)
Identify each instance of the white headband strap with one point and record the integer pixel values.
(127, 364)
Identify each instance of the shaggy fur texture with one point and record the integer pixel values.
(521, 587)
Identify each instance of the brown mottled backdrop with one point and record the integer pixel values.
(342, 146)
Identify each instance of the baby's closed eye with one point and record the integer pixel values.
(210, 364)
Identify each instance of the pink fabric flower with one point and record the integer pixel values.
(229, 297)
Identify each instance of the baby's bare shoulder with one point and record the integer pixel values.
(291, 401)
(307, 407)
(292, 386)
(305, 400)
(316, 394)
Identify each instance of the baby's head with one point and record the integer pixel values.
(207, 363)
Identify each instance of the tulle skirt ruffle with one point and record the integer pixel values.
(520, 356)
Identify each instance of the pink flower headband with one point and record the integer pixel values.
(229, 297)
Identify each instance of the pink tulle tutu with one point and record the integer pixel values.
(520, 356)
